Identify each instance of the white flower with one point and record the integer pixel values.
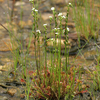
(56, 33)
(60, 14)
(52, 8)
(44, 25)
(50, 17)
(38, 31)
(36, 10)
(67, 29)
(70, 4)
(30, 0)
(55, 29)
(33, 9)
(63, 17)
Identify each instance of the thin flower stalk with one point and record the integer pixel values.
(36, 11)
(35, 36)
(45, 47)
(59, 55)
(56, 55)
(38, 40)
(33, 32)
(35, 25)
(66, 42)
(54, 13)
(50, 36)
(55, 47)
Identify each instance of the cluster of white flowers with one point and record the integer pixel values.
(33, 9)
(59, 15)
(38, 31)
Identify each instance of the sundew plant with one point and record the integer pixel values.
(52, 79)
